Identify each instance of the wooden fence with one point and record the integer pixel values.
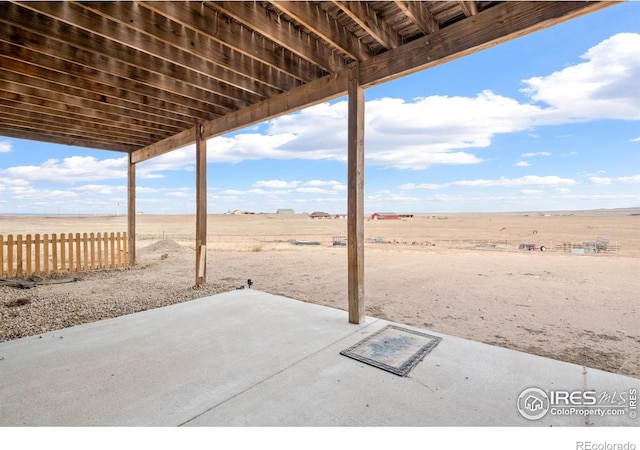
(24, 256)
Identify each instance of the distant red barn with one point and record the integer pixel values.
(319, 215)
(385, 216)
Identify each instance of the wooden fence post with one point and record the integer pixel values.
(113, 250)
(37, 256)
(119, 248)
(92, 245)
(106, 249)
(85, 250)
(10, 256)
(99, 249)
(54, 252)
(78, 255)
(70, 255)
(45, 251)
(63, 250)
(19, 255)
(125, 245)
(29, 256)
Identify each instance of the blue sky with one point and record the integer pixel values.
(550, 121)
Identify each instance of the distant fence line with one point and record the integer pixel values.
(24, 256)
(328, 239)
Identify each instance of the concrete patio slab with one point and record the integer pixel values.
(247, 358)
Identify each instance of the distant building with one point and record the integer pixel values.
(344, 216)
(284, 211)
(385, 216)
(319, 215)
(406, 216)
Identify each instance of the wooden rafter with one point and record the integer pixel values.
(419, 14)
(239, 45)
(469, 8)
(284, 33)
(313, 18)
(123, 43)
(366, 17)
(138, 76)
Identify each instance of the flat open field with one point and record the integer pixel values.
(459, 274)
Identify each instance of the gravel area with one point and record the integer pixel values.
(164, 276)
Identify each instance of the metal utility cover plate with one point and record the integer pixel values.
(394, 349)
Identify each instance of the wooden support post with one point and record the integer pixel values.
(201, 207)
(355, 197)
(131, 212)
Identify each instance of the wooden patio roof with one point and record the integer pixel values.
(137, 77)
(146, 78)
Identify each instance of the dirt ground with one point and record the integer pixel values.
(458, 274)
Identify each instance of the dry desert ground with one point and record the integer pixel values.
(458, 274)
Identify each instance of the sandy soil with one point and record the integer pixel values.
(457, 274)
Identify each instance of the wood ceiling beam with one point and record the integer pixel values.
(68, 108)
(469, 8)
(94, 58)
(64, 139)
(282, 33)
(501, 23)
(63, 111)
(319, 22)
(367, 19)
(87, 31)
(495, 25)
(137, 106)
(238, 43)
(14, 115)
(175, 39)
(420, 15)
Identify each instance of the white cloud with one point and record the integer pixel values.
(531, 155)
(636, 139)
(529, 180)
(147, 190)
(522, 164)
(429, 186)
(605, 86)
(180, 159)
(311, 190)
(276, 184)
(5, 147)
(179, 194)
(69, 170)
(100, 189)
(630, 179)
(335, 185)
(600, 180)
(29, 193)
(403, 134)
(531, 192)
(441, 130)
